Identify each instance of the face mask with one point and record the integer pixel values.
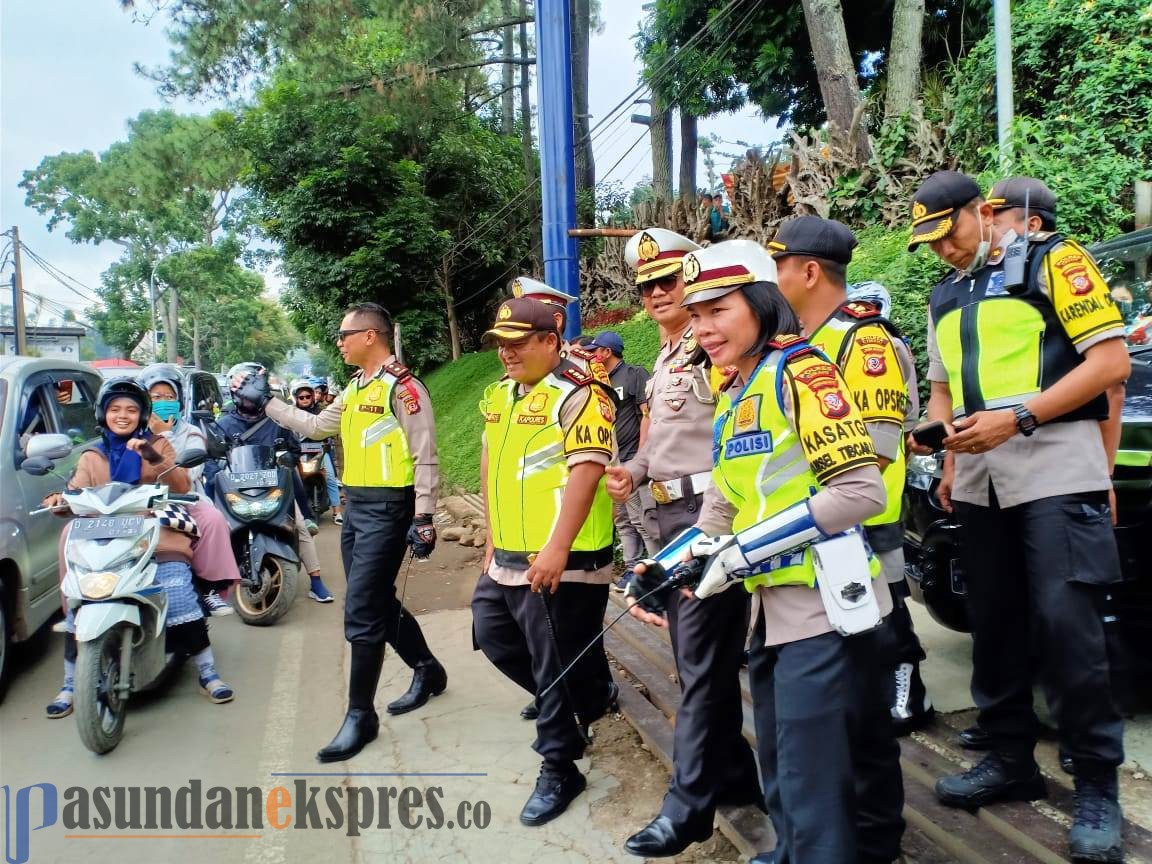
(981, 256)
(166, 409)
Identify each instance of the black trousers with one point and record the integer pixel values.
(897, 638)
(510, 627)
(830, 763)
(710, 754)
(372, 545)
(1037, 576)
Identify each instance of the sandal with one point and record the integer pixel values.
(61, 706)
(216, 690)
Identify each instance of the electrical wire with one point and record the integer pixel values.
(60, 276)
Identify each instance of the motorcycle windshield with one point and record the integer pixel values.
(251, 457)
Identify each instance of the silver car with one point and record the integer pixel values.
(36, 396)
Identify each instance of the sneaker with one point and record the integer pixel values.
(911, 708)
(319, 591)
(216, 605)
(998, 777)
(312, 527)
(60, 626)
(216, 690)
(1096, 821)
(338, 518)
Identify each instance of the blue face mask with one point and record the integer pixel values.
(166, 409)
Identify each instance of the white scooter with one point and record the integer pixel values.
(110, 586)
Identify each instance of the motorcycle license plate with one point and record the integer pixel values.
(311, 447)
(266, 479)
(106, 527)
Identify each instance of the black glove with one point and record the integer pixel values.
(684, 575)
(422, 535)
(255, 390)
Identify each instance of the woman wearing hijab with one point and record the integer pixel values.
(129, 453)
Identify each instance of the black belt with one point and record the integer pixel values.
(379, 493)
(585, 560)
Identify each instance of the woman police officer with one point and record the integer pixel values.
(794, 467)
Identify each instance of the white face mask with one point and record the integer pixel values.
(982, 251)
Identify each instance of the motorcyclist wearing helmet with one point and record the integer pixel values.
(128, 452)
(247, 420)
(213, 563)
(305, 397)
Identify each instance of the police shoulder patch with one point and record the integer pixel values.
(860, 309)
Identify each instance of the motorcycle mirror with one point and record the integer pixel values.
(48, 446)
(37, 466)
(192, 459)
(285, 460)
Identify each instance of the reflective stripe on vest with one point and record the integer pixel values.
(528, 469)
(833, 338)
(1001, 347)
(376, 451)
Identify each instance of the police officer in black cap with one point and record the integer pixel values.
(1021, 350)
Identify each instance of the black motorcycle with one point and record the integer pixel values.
(254, 492)
(313, 475)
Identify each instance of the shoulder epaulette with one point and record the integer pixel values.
(577, 376)
(729, 373)
(581, 352)
(860, 309)
(398, 370)
(799, 347)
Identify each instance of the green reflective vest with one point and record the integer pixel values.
(376, 449)
(528, 466)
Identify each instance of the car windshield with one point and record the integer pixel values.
(1127, 265)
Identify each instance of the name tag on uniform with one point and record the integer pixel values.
(748, 445)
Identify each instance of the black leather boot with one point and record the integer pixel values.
(998, 777)
(975, 738)
(663, 838)
(428, 679)
(530, 711)
(360, 728)
(361, 724)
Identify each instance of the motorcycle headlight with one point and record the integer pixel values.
(75, 549)
(98, 584)
(923, 465)
(258, 508)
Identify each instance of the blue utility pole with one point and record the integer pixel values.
(557, 157)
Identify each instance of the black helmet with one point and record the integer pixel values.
(123, 387)
(163, 373)
(245, 374)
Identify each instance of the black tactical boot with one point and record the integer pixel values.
(911, 708)
(999, 777)
(530, 711)
(975, 738)
(1096, 821)
(428, 679)
(361, 725)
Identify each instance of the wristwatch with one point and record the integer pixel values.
(1026, 421)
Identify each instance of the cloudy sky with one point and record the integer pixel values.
(66, 84)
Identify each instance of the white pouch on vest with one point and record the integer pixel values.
(845, 583)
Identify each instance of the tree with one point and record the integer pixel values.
(836, 73)
(168, 187)
(903, 85)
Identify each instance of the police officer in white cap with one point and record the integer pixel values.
(712, 763)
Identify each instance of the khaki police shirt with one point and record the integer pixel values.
(681, 406)
(574, 407)
(413, 410)
(1058, 458)
(795, 612)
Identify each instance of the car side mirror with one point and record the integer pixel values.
(37, 466)
(48, 446)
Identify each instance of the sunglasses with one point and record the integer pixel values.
(664, 283)
(341, 335)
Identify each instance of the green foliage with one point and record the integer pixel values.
(456, 389)
(1083, 77)
(883, 257)
(122, 319)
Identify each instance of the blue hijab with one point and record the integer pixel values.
(123, 464)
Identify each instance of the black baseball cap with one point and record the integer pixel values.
(520, 317)
(1017, 191)
(815, 237)
(935, 204)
